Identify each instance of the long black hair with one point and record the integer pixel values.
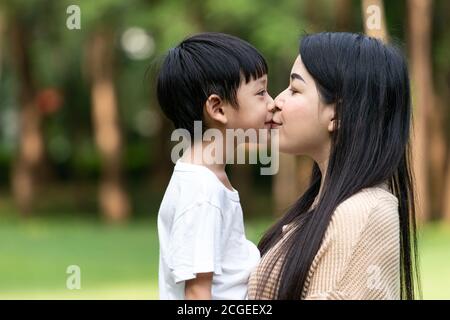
(368, 82)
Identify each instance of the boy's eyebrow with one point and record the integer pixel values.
(297, 76)
(263, 80)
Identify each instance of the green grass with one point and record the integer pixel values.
(434, 246)
(121, 262)
(115, 261)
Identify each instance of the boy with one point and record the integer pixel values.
(220, 80)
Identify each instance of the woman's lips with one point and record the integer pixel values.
(273, 124)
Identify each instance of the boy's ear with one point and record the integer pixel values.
(214, 109)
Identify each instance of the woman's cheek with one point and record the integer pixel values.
(296, 116)
(294, 112)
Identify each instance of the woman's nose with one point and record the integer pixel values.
(270, 104)
(279, 101)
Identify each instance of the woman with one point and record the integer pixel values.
(352, 234)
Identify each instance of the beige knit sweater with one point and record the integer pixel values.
(359, 257)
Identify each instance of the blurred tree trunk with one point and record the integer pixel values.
(160, 175)
(313, 11)
(444, 98)
(439, 193)
(374, 19)
(419, 12)
(446, 193)
(343, 15)
(2, 30)
(438, 154)
(446, 187)
(30, 149)
(113, 198)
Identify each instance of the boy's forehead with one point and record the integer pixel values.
(261, 80)
(254, 82)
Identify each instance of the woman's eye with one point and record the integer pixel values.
(293, 91)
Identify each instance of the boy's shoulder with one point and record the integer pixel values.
(196, 183)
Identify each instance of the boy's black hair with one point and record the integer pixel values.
(201, 65)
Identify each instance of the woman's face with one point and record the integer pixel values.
(304, 122)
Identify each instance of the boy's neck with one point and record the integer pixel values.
(195, 155)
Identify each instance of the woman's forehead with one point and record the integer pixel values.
(299, 71)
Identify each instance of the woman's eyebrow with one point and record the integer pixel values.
(297, 76)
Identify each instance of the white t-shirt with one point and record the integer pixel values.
(201, 229)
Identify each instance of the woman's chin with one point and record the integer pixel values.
(287, 148)
(283, 148)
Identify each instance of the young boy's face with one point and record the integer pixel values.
(255, 106)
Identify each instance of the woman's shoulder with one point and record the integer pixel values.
(364, 223)
(368, 202)
(370, 209)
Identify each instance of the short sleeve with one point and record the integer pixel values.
(195, 242)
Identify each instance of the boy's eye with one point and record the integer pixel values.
(261, 93)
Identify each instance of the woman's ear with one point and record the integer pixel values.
(214, 109)
(333, 123)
